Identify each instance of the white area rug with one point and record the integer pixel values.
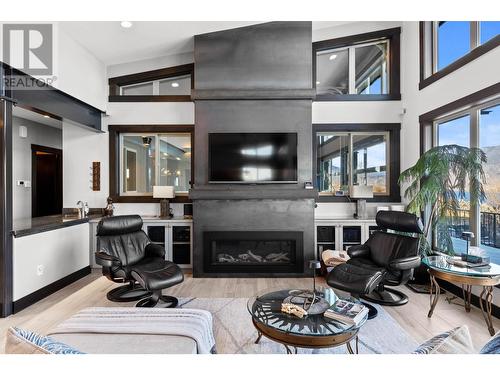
(235, 333)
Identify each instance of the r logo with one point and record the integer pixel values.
(28, 47)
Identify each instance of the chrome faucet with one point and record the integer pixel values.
(80, 206)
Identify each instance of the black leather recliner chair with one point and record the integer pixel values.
(385, 259)
(127, 255)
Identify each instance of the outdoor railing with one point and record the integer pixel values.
(490, 227)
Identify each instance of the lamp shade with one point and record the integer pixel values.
(163, 192)
(361, 191)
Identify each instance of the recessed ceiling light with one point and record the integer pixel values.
(126, 24)
(46, 116)
(318, 82)
(175, 84)
(332, 57)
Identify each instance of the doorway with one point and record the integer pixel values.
(46, 190)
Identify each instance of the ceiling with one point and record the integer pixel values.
(36, 117)
(113, 44)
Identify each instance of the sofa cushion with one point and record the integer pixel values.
(20, 341)
(455, 341)
(492, 346)
(118, 343)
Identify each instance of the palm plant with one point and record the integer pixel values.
(437, 182)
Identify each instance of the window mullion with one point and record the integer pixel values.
(352, 70)
(157, 160)
(475, 214)
(474, 34)
(435, 46)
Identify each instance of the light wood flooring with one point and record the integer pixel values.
(91, 291)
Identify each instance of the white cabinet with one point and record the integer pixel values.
(340, 234)
(175, 235)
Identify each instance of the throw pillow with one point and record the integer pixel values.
(20, 341)
(455, 341)
(492, 346)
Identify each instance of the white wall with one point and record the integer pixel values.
(150, 113)
(81, 147)
(149, 64)
(38, 134)
(60, 253)
(356, 112)
(79, 73)
(352, 28)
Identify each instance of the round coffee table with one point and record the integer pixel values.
(312, 331)
(440, 268)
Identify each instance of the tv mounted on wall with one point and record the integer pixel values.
(252, 158)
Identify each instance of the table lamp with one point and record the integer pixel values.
(468, 236)
(360, 193)
(164, 193)
(314, 265)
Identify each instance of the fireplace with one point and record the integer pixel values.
(253, 252)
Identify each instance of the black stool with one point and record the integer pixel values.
(155, 277)
(356, 280)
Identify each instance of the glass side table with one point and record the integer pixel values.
(311, 331)
(439, 267)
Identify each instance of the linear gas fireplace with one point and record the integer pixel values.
(253, 252)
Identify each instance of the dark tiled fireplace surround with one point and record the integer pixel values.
(263, 230)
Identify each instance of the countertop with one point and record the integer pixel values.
(344, 219)
(150, 218)
(28, 226)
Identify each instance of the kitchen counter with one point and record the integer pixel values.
(344, 219)
(28, 226)
(147, 218)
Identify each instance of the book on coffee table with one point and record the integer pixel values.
(347, 312)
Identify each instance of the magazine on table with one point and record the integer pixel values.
(347, 312)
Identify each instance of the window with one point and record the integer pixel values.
(489, 142)
(347, 155)
(453, 41)
(445, 46)
(169, 84)
(143, 156)
(371, 68)
(155, 159)
(138, 163)
(370, 161)
(488, 30)
(359, 67)
(477, 126)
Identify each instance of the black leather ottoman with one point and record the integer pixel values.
(356, 280)
(154, 276)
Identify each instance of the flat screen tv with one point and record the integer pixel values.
(252, 158)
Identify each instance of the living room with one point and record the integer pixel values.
(229, 187)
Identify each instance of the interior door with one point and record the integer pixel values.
(46, 170)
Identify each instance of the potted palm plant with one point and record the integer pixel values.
(442, 179)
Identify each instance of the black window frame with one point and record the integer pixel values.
(427, 54)
(114, 160)
(116, 83)
(394, 130)
(393, 35)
